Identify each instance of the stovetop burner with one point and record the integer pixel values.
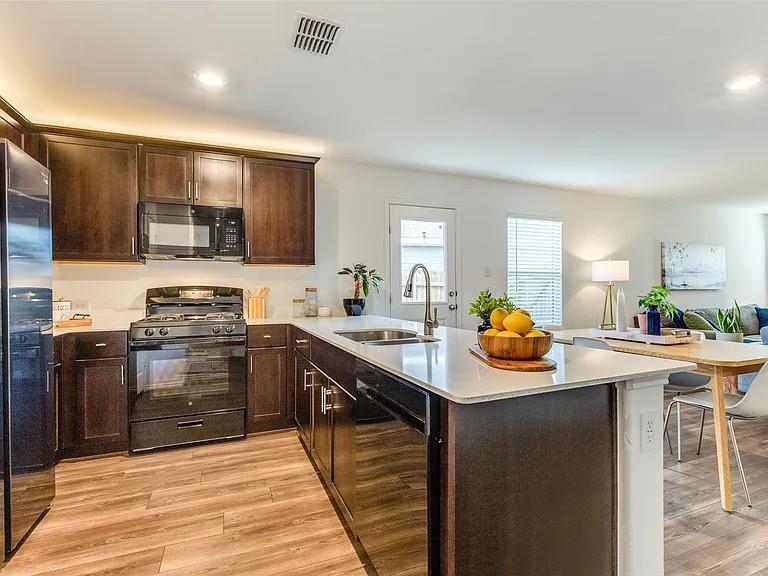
(173, 313)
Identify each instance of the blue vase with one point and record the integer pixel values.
(654, 322)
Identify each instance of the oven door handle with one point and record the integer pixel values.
(180, 342)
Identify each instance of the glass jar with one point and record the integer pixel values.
(310, 302)
(298, 307)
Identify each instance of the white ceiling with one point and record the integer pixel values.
(617, 97)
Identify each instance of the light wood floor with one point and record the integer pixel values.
(258, 508)
(252, 507)
(701, 539)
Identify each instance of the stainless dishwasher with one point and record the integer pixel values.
(397, 473)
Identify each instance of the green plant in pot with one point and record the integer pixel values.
(656, 302)
(364, 280)
(485, 303)
(729, 324)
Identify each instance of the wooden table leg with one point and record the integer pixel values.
(721, 440)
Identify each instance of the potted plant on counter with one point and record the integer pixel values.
(656, 302)
(729, 324)
(364, 280)
(484, 305)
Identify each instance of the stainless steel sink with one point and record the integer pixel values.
(385, 336)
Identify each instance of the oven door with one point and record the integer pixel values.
(186, 376)
(168, 236)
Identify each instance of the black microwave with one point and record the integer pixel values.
(184, 232)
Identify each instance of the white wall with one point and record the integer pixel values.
(351, 227)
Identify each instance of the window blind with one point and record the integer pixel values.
(535, 267)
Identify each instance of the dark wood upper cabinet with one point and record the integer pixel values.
(94, 197)
(218, 180)
(279, 212)
(166, 174)
(9, 131)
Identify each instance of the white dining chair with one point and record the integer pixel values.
(752, 405)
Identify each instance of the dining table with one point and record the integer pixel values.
(720, 360)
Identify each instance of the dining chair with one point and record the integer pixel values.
(678, 384)
(752, 405)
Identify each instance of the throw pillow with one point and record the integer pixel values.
(762, 317)
(694, 321)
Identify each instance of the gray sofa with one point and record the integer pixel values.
(749, 320)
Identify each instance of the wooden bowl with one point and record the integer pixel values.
(516, 348)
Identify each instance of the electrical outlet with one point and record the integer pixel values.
(648, 430)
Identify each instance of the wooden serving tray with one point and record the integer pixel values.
(73, 323)
(540, 365)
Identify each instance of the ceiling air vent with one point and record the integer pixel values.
(315, 34)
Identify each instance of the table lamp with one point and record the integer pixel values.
(611, 271)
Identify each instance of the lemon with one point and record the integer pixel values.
(523, 311)
(490, 332)
(497, 318)
(535, 334)
(518, 322)
(508, 334)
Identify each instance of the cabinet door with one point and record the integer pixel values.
(343, 419)
(93, 199)
(303, 377)
(218, 180)
(279, 212)
(321, 424)
(266, 392)
(102, 404)
(165, 174)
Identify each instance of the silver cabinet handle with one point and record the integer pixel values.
(267, 336)
(100, 344)
(197, 191)
(133, 245)
(322, 400)
(328, 396)
(302, 341)
(122, 374)
(47, 381)
(309, 373)
(189, 189)
(250, 364)
(248, 249)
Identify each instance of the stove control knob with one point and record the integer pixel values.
(216, 329)
(149, 331)
(163, 331)
(229, 329)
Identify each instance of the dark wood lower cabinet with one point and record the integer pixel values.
(343, 450)
(92, 394)
(303, 397)
(322, 431)
(266, 398)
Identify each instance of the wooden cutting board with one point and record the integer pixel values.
(540, 365)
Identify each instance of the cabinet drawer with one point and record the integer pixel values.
(337, 364)
(301, 341)
(92, 345)
(186, 430)
(268, 336)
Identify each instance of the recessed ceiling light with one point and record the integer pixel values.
(744, 83)
(210, 79)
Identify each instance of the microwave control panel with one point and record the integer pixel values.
(232, 234)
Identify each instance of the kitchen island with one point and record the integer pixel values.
(549, 473)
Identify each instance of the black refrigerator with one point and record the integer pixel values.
(28, 447)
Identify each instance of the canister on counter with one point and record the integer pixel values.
(310, 302)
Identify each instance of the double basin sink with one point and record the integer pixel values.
(386, 337)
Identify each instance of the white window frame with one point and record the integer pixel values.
(512, 281)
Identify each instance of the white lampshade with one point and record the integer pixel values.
(610, 271)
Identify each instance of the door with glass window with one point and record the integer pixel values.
(423, 235)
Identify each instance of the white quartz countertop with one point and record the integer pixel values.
(448, 369)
